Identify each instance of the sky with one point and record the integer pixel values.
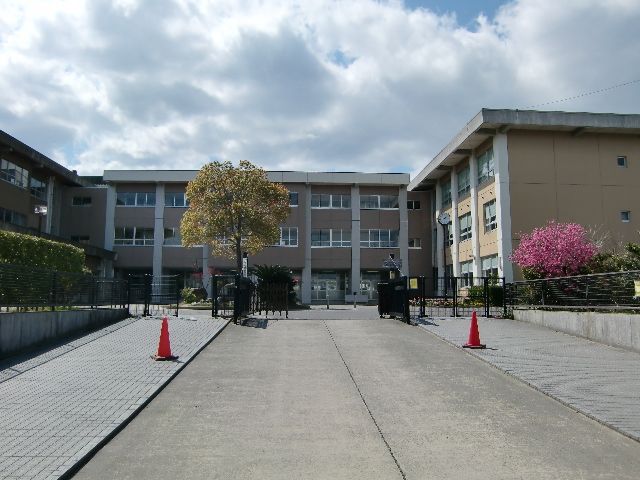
(316, 85)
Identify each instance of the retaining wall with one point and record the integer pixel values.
(24, 330)
(617, 329)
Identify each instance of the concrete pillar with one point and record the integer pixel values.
(50, 204)
(455, 224)
(305, 292)
(355, 239)
(109, 224)
(439, 232)
(476, 221)
(503, 205)
(403, 236)
(158, 230)
(206, 277)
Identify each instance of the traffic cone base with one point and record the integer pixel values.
(474, 334)
(164, 345)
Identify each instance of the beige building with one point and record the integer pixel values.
(509, 171)
(341, 229)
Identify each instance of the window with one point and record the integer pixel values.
(446, 193)
(489, 266)
(288, 237)
(325, 200)
(15, 218)
(172, 236)
(136, 199)
(379, 238)
(464, 184)
(413, 204)
(465, 226)
(379, 201)
(485, 166)
(448, 235)
(80, 238)
(293, 199)
(625, 216)
(466, 274)
(12, 173)
(415, 243)
(490, 222)
(38, 189)
(137, 236)
(81, 201)
(622, 161)
(175, 199)
(330, 238)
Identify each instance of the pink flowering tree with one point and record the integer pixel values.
(555, 250)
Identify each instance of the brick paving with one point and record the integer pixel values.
(601, 381)
(58, 407)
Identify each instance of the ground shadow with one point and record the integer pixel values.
(255, 322)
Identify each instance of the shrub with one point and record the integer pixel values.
(555, 250)
(30, 251)
(193, 295)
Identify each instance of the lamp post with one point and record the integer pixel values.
(41, 211)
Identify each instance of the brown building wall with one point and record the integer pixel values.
(556, 175)
(420, 227)
(84, 220)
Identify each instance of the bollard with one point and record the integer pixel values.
(327, 302)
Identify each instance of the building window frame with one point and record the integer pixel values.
(83, 239)
(38, 188)
(413, 204)
(464, 181)
(133, 236)
(176, 200)
(622, 161)
(339, 201)
(379, 238)
(14, 174)
(465, 224)
(330, 238)
(135, 199)
(288, 237)
(625, 216)
(490, 216)
(445, 188)
(171, 237)
(379, 202)
(466, 273)
(415, 243)
(293, 199)
(489, 266)
(12, 217)
(81, 201)
(486, 166)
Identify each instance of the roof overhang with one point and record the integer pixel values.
(489, 122)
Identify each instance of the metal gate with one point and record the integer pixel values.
(457, 296)
(153, 295)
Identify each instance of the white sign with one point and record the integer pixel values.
(245, 267)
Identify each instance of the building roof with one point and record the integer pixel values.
(488, 122)
(40, 162)
(183, 176)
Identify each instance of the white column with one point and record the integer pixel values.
(50, 201)
(109, 224)
(355, 239)
(455, 224)
(158, 230)
(439, 232)
(306, 270)
(403, 235)
(503, 205)
(476, 224)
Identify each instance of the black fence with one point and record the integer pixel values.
(604, 291)
(148, 294)
(236, 297)
(33, 288)
(417, 297)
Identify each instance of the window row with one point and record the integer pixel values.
(488, 268)
(15, 218)
(379, 238)
(325, 200)
(141, 199)
(330, 238)
(12, 173)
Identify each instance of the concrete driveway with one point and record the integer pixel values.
(367, 398)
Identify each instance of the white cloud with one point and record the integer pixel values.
(320, 85)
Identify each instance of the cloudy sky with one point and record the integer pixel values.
(297, 85)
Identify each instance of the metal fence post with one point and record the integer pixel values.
(128, 286)
(236, 301)
(454, 284)
(504, 299)
(423, 294)
(405, 300)
(487, 298)
(54, 286)
(177, 298)
(214, 296)
(147, 294)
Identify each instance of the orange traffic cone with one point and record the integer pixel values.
(164, 346)
(474, 334)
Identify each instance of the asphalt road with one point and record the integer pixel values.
(332, 399)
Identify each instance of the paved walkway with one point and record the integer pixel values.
(355, 399)
(598, 380)
(57, 407)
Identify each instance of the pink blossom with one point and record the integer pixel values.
(555, 250)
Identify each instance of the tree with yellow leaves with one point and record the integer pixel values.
(234, 210)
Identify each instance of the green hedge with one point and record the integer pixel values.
(27, 250)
